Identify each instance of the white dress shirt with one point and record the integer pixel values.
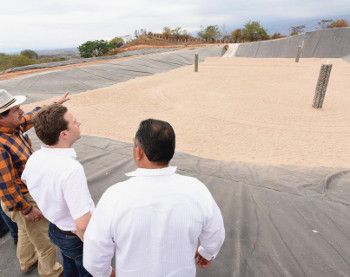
(152, 222)
(57, 182)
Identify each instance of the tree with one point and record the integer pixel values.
(166, 32)
(117, 42)
(94, 48)
(237, 35)
(253, 31)
(276, 36)
(324, 23)
(139, 33)
(127, 39)
(176, 32)
(210, 33)
(30, 54)
(296, 30)
(184, 34)
(339, 24)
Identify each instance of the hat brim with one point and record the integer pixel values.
(19, 99)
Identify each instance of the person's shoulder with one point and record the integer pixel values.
(121, 186)
(188, 179)
(192, 184)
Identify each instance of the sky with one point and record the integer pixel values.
(53, 24)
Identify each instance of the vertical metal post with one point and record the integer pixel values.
(196, 62)
(321, 86)
(298, 54)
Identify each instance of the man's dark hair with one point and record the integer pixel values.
(5, 113)
(49, 123)
(157, 139)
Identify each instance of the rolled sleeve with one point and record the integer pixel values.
(28, 119)
(213, 233)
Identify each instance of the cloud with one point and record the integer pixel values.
(37, 24)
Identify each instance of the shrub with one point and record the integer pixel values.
(94, 48)
(30, 54)
(253, 31)
(10, 61)
(339, 24)
(237, 35)
(117, 42)
(210, 33)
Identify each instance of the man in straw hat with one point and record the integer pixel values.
(34, 246)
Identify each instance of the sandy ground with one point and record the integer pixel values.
(234, 109)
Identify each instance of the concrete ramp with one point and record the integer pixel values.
(329, 43)
(231, 51)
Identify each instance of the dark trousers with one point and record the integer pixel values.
(72, 252)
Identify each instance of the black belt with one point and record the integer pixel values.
(68, 233)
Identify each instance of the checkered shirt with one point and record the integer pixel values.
(16, 148)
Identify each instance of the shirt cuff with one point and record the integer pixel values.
(107, 273)
(205, 254)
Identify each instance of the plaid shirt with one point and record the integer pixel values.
(16, 148)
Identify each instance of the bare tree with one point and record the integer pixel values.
(324, 23)
(296, 30)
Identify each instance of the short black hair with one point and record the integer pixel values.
(5, 113)
(157, 139)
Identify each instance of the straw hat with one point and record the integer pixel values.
(7, 101)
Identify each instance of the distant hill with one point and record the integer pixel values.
(64, 52)
(282, 26)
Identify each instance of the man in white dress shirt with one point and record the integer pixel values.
(152, 221)
(57, 182)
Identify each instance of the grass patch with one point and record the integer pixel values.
(10, 61)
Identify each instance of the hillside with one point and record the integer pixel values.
(158, 41)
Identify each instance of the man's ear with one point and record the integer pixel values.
(139, 153)
(63, 134)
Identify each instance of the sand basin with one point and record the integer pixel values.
(234, 109)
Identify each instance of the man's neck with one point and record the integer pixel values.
(151, 165)
(60, 145)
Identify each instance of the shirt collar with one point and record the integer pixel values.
(60, 151)
(8, 129)
(152, 172)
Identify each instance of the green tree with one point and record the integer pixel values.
(237, 35)
(253, 31)
(339, 24)
(117, 42)
(296, 30)
(210, 33)
(94, 48)
(30, 54)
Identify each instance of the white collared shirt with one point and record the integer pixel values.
(152, 222)
(57, 182)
